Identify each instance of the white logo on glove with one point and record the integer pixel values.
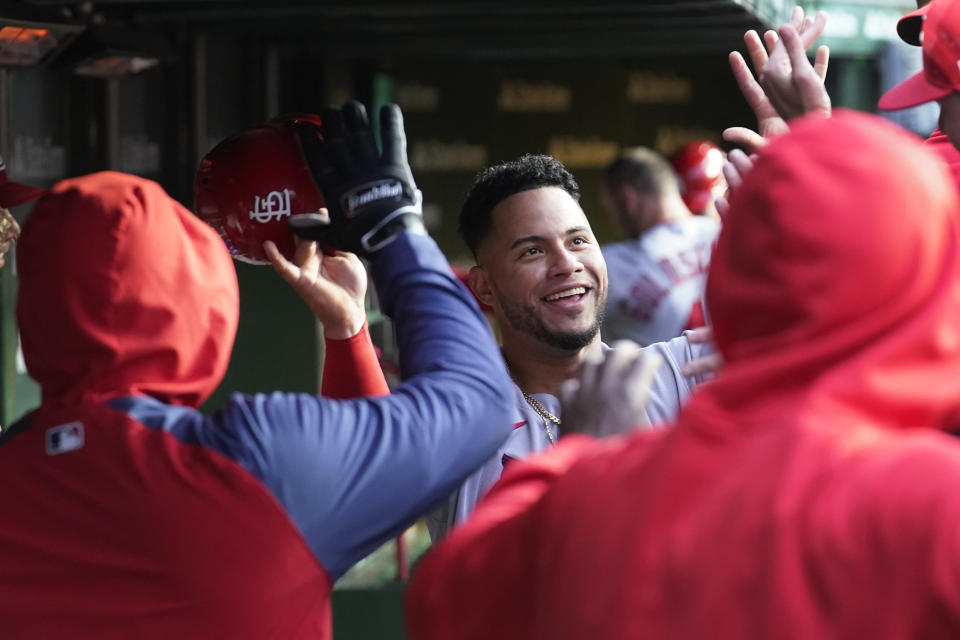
(371, 192)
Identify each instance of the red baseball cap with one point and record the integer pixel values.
(910, 26)
(941, 54)
(13, 193)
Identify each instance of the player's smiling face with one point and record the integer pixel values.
(546, 276)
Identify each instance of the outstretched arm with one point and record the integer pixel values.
(353, 473)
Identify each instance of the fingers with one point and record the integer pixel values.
(336, 146)
(304, 250)
(795, 48)
(333, 124)
(796, 17)
(392, 135)
(355, 116)
(624, 370)
(358, 125)
(723, 207)
(618, 361)
(752, 91)
(639, 376)
(352, 259)
(609, 395)
(770, 38)
(821, 62)
(704, 366)
(626, 376)
(755, 49)
(345, 257)
(311, 146)
(811, 33)
(287, 270)
(700, 335)
(568, 393)
(735, 169)
(732, 177)
(590, 371)
(808, 83)
(744, 137)
(344, 268)
(742, 162)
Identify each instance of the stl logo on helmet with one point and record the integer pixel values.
(275, 204)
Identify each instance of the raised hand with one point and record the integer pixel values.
(611, 392)
(707, 366)
(371, 195)
(332, 286)
(794, 85)
(776, 70)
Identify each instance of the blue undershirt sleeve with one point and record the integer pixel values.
(354, 473)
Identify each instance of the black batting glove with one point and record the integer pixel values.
(371, 196)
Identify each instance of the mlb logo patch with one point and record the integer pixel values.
(64, 438)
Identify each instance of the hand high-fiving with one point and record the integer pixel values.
(370, 194)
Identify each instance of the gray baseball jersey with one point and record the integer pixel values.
(657, 279)
(668, 391)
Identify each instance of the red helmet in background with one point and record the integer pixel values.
(249, 184)
(699, 166)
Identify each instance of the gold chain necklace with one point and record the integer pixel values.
(544, 415)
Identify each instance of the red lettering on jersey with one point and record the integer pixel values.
(697, 318)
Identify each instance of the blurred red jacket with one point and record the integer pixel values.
(802, 494)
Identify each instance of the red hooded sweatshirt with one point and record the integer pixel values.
(129, 514)
(939, 143)
(802, 494)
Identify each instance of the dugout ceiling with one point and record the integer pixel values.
(479, 81)
(500, 29)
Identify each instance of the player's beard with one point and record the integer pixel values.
(524, 318)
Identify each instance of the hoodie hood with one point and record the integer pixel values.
(123, 291)
(835, 279)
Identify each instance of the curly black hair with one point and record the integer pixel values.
(495, 184)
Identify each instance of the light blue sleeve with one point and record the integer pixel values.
(670, 388)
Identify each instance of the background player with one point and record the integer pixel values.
(657, 276)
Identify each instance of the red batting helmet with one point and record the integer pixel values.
(699, 167)
(249, 184)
